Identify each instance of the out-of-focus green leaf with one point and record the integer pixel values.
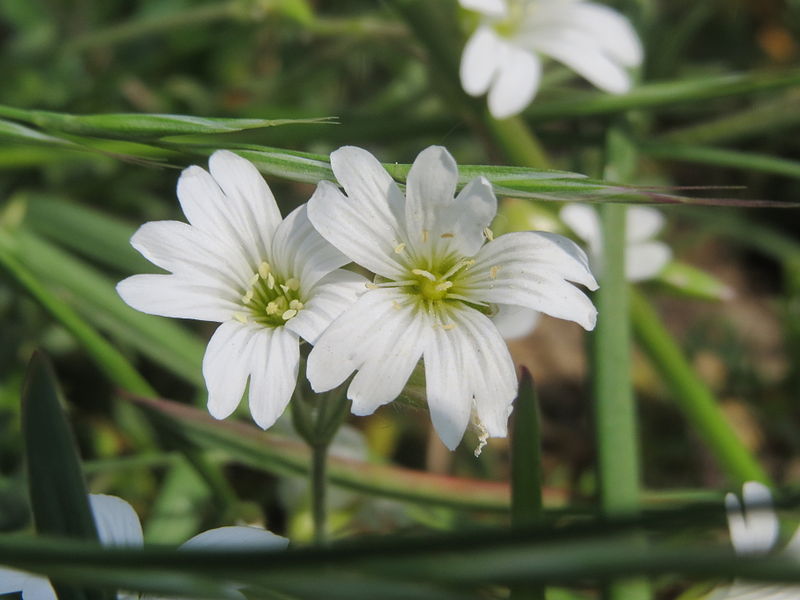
(108, 358)
(95, 298)
(655, 95)
(58, 494)
(691, 281)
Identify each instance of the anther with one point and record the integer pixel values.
(293, 284)
(241, 317)
(445, 236)
(424, 274)
(253, 279)
(288, 314)
(370, 286)
(399, 248)
(488, 233)
(449, 326)
(425, 234)
(270, 281)
(248, 296)
(494, 270)
(272, 308)
(264, 269)
(445, 285)
(296, 305)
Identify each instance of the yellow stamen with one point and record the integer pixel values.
(488, 233)
(247, 297)
(288, 314)
(445, 285)
(399, 248)
(253, 280)
(293, 284)
(264, 269)
(448, 235)
(424, 274)
(270, 281)
(241, 317)
(449, 326)
(272, 308)
(425, 234)
(494, 270)
(296, 305)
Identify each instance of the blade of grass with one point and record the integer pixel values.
(526, 471)
(692, 396)
(58, 494)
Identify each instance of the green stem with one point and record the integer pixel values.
(617, 447)
(526, 472)
(517, 141)
(319, 461)
(693, 396)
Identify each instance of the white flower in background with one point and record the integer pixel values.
(118, 526)
(439, 283)
(268, 281)
(503, 54)
(754, 531)
(644, 257)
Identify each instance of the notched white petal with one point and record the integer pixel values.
(480, 61)
(117, 523)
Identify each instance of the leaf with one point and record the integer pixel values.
(58, 494)
(134, 125)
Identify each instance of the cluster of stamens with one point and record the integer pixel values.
(269, 300)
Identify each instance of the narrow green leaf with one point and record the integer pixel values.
(134, 125)
(660, 94)
(94, 297)
(58, 494)
(19, 133)
(115, 366)
(526, 471)
(692, 396)
(690, 281)
(721, 157)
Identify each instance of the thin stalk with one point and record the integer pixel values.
(526, 472)
(694, 398)
(319, 481)
(617, 446)
(518, 142)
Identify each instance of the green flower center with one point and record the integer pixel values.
(270, 300)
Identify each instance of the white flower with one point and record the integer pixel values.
(754, 531)
(268, 281)
(119, 526)
(502, 55)
(644, 257)
(438, 283)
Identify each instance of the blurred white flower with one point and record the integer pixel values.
(503, 54)
(440, 279)
(118, 526)
(644, 257)
(268, 281)
(754, 530)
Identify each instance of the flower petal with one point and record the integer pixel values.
(299, 251)
(226, 366)
(248, 195)
(33, 587)
(117, 522)
(642, 223)
(514, 322)
(611, 31)
(180, 248)
(646, 260)
(171, 296)
(389, 359)
(329, 298)
(480, 61)
(585, 222)
(366, 236)
(371, 324)
(437, 224)
(447, 384)
(755, 530)
(490, 8)
(516, 83)
(531, 269)
(582, 54)
(487, 364)
(236, 538)
(275, 361)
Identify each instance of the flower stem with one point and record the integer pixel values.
(517, 141)
(526, 471)
(319, 461)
